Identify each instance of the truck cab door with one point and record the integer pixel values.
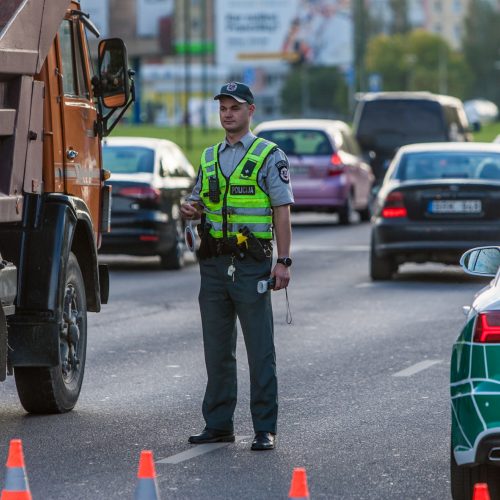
(81, 154)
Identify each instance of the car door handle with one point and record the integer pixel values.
(71, 154)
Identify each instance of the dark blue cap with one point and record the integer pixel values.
(236, 90)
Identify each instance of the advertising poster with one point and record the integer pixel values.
(148, 14)
(318, 32)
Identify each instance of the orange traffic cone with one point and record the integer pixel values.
(298, 487)
(146, 488)
(481, 492)
(16, 482)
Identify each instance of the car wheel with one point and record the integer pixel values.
(464, 477)
(346, 212)
(56, 389)
(174, 258)
(381, 268)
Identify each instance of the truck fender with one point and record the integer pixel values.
(53, 226)
(52, 229)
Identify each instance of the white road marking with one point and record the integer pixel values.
(418, 367)
(196, 451)
(299, 247)
(367, 284)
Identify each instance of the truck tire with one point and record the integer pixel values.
(56, 390)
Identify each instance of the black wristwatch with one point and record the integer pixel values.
(286, 261)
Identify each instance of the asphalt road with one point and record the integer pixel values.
(363, 374)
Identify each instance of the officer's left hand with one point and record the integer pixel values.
(281, 274)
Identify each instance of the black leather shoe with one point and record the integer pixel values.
(263, 441)
(212, 436)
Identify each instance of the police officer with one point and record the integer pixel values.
(243, 196)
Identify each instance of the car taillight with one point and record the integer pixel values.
(394, 206)
(336, 166)
(487, 327)
(140, 192)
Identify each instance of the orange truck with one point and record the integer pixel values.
(54, 204)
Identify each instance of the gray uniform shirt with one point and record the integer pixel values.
(273, 177)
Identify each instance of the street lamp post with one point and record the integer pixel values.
(187, 71)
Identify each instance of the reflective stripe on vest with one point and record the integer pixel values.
(242, 201)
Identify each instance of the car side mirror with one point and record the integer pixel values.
(114, 85)
(481, 261)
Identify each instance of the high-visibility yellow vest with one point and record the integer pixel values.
(241, 200)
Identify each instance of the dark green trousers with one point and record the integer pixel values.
(222, 300)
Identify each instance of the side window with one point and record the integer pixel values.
(164, 171)
(180, 165)
(74, 82)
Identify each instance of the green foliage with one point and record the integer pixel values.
(418, 60)
(199, 138)
(315, 90)
(481, 46)
(488, 132)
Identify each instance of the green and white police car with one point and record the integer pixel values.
(475, 383)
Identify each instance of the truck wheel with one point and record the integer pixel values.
(56, 389)
(381, 268)
(174, 258)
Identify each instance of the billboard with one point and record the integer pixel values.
(318, 32)
(149, 13)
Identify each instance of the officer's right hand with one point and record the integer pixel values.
(190, 210)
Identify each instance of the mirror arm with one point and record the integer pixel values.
(104, 129)
(85, 18)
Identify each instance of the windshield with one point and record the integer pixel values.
(300, 142)
(444, 165)
(128, 159)
(388, 125)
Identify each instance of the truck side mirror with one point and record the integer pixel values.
(481, 261)
(114, 86)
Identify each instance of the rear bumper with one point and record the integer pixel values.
(144, 237)
(327, 196)
(486, 450)
(431, 240)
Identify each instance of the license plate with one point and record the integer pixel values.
(299, 170)
(455, 206)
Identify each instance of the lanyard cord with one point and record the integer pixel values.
(289, 318)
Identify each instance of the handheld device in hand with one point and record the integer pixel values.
(265, 285)
(189, 237)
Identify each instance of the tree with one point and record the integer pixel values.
(481, 47)
(399, 24)
(418, 61)
(315, 91)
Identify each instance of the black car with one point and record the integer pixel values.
(149, 178)
(437, 200)
(385, 121)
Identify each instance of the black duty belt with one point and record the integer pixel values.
(222, 247)
(257, 248)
